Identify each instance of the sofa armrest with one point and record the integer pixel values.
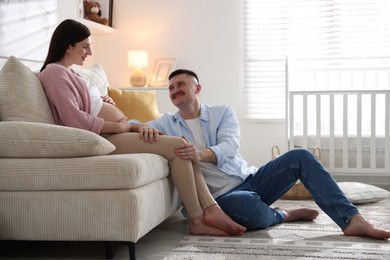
(30, 139)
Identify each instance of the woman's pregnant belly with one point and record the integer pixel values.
(111, 113)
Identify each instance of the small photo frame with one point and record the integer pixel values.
(162, 69)
(105, 10)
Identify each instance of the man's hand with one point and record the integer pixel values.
(188, 151)
(148, 133)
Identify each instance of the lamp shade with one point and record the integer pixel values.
(137, 59)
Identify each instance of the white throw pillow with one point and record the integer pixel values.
(96, 74)
(29, 139)
(22, 97)
(359, 193)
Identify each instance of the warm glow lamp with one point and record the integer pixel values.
(137, 60)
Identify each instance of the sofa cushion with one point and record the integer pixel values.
(96, 74)
(30, 139)
(22, 97)
(119, 171)
(140, 105)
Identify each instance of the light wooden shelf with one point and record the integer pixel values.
(96, 28)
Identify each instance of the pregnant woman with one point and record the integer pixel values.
(73, 106)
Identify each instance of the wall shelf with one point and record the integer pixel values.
(96, 28)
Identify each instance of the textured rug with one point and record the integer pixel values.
(320, 239)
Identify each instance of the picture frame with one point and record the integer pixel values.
(106, 10)
(162, 69)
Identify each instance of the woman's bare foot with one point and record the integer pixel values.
(302, 214)
(359, 226)
(214, 216)
(198, 227)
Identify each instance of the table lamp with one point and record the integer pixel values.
(137, 60)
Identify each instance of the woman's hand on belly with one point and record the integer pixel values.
(108, 99)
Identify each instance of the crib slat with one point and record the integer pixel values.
(373, 133)
(318, 120)
(331, 132)
(291, 118)
(345, 131)
(359, 147)
(305, 112)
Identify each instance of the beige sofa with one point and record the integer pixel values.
(59, 183)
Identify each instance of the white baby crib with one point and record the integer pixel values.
(351, 127)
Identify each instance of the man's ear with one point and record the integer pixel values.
(198, 88)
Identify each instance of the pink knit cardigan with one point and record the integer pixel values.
(69, 98)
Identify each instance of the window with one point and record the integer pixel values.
(313, 32)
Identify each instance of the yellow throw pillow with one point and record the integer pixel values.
(136, 104)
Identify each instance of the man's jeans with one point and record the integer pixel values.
(248, 204)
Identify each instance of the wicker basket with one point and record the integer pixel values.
(298, 191)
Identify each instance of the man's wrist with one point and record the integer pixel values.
(198, 154)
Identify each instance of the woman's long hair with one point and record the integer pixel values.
(67, 32)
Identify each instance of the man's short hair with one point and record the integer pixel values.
(183, 71)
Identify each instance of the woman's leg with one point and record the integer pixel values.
(213, 214)
(181, 170)
(188, 181)
(205, 198)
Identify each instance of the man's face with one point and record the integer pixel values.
(183, 89)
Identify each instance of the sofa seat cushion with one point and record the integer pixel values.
(121, 171)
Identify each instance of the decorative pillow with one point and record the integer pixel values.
(359, 193)
(22, 97)
(96, 74)
(29, 139)
(138, 104)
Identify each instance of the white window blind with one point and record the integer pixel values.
(326, 32)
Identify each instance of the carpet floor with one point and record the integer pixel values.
(319, 239)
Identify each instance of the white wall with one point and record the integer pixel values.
(205, 36)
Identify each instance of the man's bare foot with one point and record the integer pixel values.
(198, 227)
(214, 216)
(359, 226)
(302, 214)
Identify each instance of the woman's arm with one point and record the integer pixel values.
(116, 127)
